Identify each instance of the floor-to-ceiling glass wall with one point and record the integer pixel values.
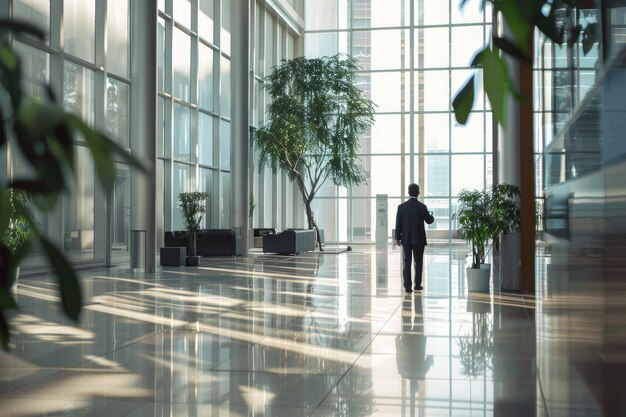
(415, 54)
(277, 36)
(85, 59)
(193, 107)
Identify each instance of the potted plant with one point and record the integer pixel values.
(16, 236)
(477, 227)
(193, 206)
(505, 209)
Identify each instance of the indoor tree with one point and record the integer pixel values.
(316, 116)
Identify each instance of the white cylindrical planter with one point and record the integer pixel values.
(478, 279)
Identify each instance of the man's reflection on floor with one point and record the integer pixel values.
(411, 359)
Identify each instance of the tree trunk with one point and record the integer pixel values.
(192, 244)
(312, 224)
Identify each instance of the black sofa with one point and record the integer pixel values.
(290, 241)
(260, 231)
(209, 242)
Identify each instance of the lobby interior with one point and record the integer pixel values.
(322, 333)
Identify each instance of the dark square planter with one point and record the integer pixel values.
(192, 261)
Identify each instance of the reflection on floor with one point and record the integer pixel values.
(314, 334)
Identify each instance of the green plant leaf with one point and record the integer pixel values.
(590, 37)
(517, 22)
(496, 82)
(68, 280)
(22, 27)
(7, 302)
(547, 25)
(512, 49)
(464, 101)
(5, 210)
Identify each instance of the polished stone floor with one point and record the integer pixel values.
(315, 334)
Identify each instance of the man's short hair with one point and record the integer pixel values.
(414, 190)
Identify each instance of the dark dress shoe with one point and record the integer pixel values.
(408, 290)
(419, 288)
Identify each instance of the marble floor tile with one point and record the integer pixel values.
(268, 335)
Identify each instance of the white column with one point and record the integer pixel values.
(143, 122)
(240, 117)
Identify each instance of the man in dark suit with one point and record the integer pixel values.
(411, 234)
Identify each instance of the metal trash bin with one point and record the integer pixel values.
(138, 249)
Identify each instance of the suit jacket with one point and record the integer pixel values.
(410, 220)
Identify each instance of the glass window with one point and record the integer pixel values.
(224, 145)
(205, 77)
(325, 213)
(321, 14)
(117, 34)
(182, 132)
(117, 101)
(270, 43)
(206, 15)
(259, 111)
(435, 128)
(36, 12)
(79, 28)
(436, 176)
(207, 184)
(467, 40)
(225, 221)
(258, 53)
(471, 13)
(225, 81)
(436, 90)
(161, 54)
(388, 13)
(380, 49)
(387, 134)
(180, 184)
(78, 210)
(469, 137)
(205, 139)
(161, 5)
(467, 173)
(182, 12)
(385, 174)
(226, 26)
(120, 213)
(160, 130)
(181, 56)
(79, 91)
(317, 45)
(436, 44)
(432, 12)
(35, 69)
(363, 220)
(441, 212)
(386, 91)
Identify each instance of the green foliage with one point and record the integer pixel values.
(193, 206)
(484, 215)
(522, 18)
(316, 116)
(505, 207)
(45, 137)
(476, 223)
(17, 231)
